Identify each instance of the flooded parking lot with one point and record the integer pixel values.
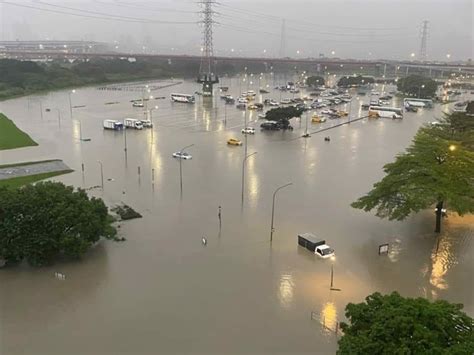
(163, 291)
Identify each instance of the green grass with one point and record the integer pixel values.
(25, 180)
(28, 163)
(11, 137)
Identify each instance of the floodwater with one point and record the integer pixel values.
(163, 291)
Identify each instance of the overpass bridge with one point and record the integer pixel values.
(400, 67)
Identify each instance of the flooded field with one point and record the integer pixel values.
(163, 291)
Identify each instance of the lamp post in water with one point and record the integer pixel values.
(101, 174)
(273, 208)
(181, 166)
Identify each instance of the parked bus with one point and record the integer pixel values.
(417, 102)
(387, 112)
(189, 99)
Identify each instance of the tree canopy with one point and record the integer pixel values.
(417, 85)
(283, 114)
(39, 223)
(358, 80)
(392, 324)
(437, 169)
(315, 81)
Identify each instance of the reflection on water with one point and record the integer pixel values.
(395, 250)
(329, 316)
(253, 180)
(441, 261)
(285, 291)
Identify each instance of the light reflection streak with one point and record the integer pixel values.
(329, 316)
(286, 290)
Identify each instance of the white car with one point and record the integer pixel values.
(242, 100)
(274, 103)
(324, 251)
(326, 112)
(262, 116)
(286, 101)
(182, 155)
(248, 130)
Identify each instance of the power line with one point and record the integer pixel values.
(142, 7)
(300, 21)
(106, 17)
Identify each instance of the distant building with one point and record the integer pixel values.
(61, 46)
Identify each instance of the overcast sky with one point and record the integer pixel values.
(352, 28)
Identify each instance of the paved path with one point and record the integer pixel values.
(32, 169)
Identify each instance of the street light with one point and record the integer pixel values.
(306, 134)
(151, 120)
(70, 100)
(181, 168)
(452, 147)
(273, 208)
(101, 174)
(419, 89)
(243, 173)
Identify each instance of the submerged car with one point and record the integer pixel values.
(248, 130)
(233, 141)
(318, 119)
(182, 155)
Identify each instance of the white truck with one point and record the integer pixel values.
(113, 124)
(146, 123)
(318, 247)
(133, 123)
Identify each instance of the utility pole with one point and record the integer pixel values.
(424, 40)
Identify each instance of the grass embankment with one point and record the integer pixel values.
(19, 78)
(25, 180)
(11, 137)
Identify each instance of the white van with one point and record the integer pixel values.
(133, 123)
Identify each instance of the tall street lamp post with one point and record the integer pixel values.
(70, 101)
(181, 166)
(101, 174)
(273, 208)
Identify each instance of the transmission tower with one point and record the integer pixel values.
(207, 76)
(424, 40)
(283, 39)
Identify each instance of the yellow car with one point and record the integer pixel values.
(233, 141)
(318, 119)
(342, 113)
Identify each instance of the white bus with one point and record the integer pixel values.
(418, 102)
(188, 99)
(387, 112)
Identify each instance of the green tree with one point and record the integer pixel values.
(434, 171)
(355, 80)
(392, 324)
(417, 85)
(315, 81)
(41, 222)
(283, 114)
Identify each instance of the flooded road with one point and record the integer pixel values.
(163, 291)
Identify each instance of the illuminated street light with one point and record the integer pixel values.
(452, 147)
